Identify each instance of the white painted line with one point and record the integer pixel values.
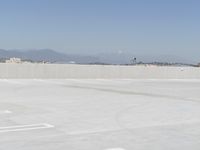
(6, 112)
(25, 127)
(115, 149)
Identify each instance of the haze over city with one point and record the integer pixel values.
(89, 27)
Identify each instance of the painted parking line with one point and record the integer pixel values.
(25, 127)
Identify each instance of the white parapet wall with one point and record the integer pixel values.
(62, 71)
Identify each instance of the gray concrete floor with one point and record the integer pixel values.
(99, 114)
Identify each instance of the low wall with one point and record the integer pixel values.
(96, 71)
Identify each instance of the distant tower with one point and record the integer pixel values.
(134, 60)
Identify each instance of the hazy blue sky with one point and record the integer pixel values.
(94, 26)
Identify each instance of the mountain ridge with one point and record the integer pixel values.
(48, 55)
(52, 56)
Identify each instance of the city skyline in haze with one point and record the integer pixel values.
(156, 27)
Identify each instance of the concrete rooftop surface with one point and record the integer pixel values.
(99, 114)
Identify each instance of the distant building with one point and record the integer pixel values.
(14, 60)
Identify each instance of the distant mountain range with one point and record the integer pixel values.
(47, 55)
(52, 56)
